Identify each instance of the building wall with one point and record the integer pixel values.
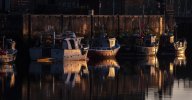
(82, 25)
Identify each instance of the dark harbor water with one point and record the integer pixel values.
(152, 78)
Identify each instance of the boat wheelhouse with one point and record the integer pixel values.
(103, 46)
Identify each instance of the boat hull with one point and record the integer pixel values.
(73, 54)
(103, 53)
(58, 54)
(146, 51)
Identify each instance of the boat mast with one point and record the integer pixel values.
(53, 38)
(175, 31)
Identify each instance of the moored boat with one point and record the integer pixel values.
(143, 46)
(8, 51)
(103, 46)
(180, 47)
(170, 46)
(60, 47)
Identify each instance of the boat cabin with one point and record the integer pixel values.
(69, 34)
(10, 44)
(167, 39)
(150, 40)
(72, 43)
(104, 41)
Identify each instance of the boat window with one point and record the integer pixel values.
(72, 44)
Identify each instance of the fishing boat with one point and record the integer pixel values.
(147, 45)
(180, 47)
(103, 46)
(170, 46)
(60, 47)
(8, 51)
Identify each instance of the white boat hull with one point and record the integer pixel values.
(73, 54)
(103, 52)
(59, 54)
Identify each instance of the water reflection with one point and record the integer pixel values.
(73, 71)
(105, 68)
(103, 79)
(148, 61)
(180, 61)
(7, 79)
(148, 78)
(57, 80)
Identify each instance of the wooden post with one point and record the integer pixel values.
(161, 25)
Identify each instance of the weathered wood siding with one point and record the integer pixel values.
(87, 24)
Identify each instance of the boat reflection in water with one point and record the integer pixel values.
(180, 61)
(147, 78)
(71, 81)
(56, 80)
(162, 78)
(7, 79)
(144, 79)
(148, 61)
(103, 79)
(104, 68)
(73, 71)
